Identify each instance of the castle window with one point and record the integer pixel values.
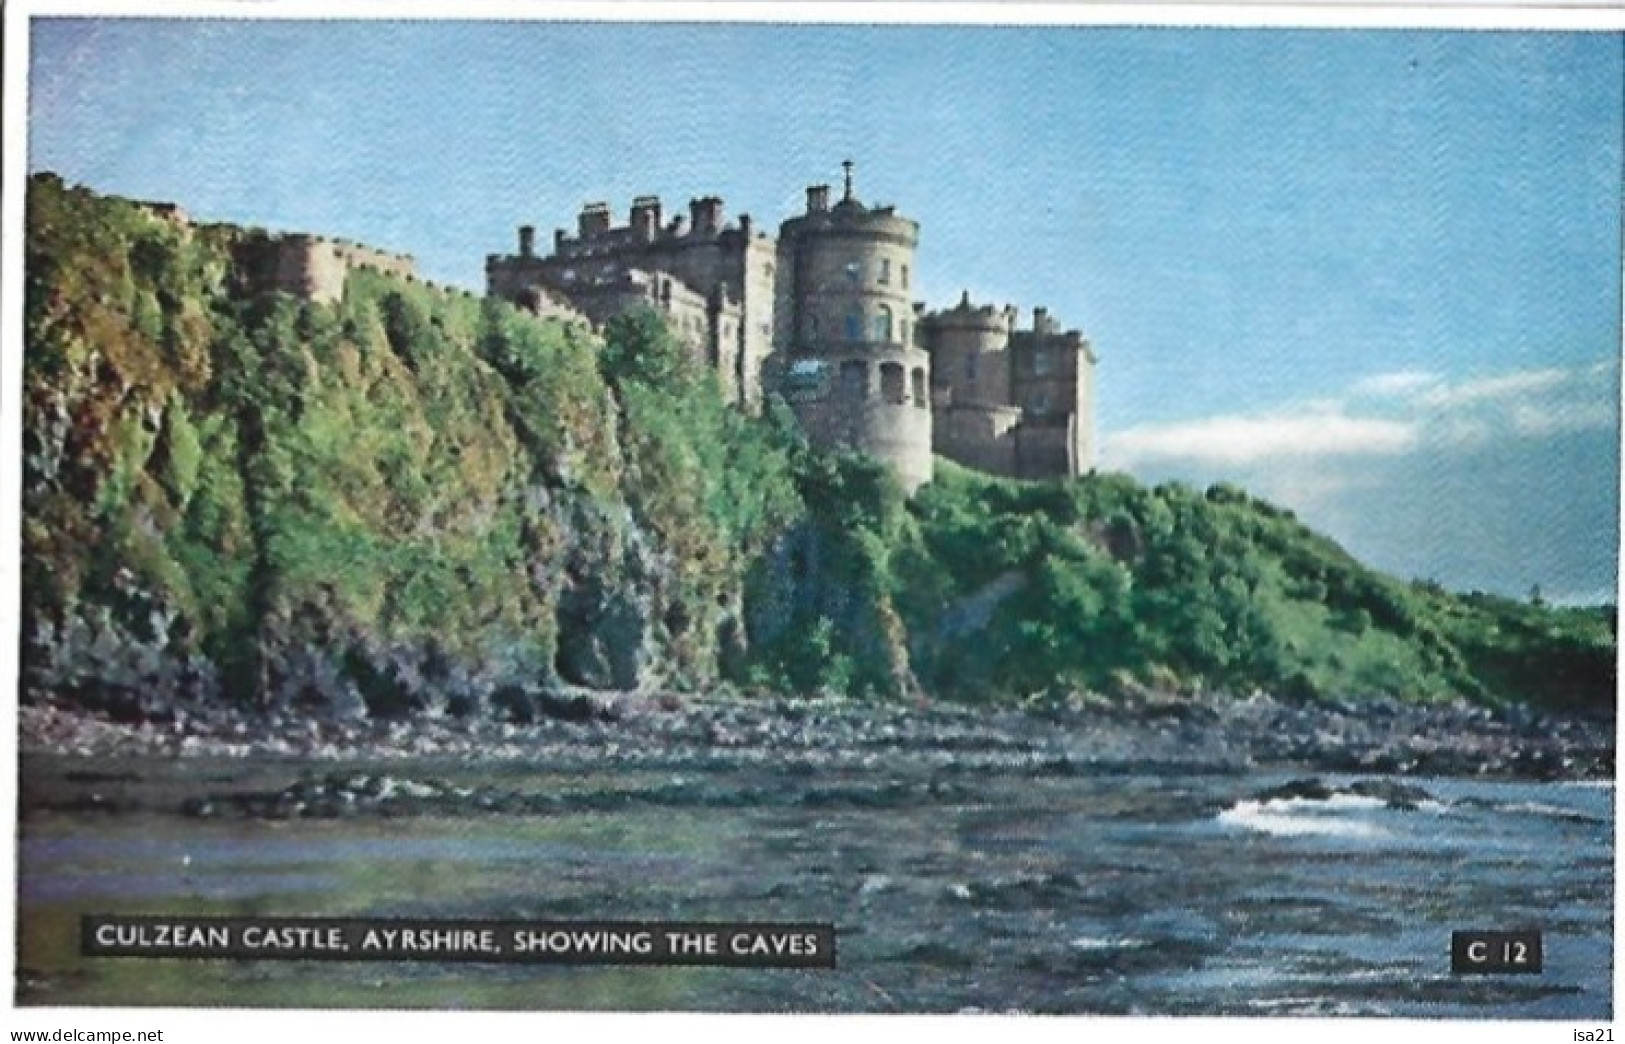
(885, 270)
(902, 333)
(855, 379)
(812, 326)
(892, 384)
(883, 321)
(905, 277)
(807, 381)
(854, 326)
(971, 362)
(1038, 405)
(1041, 362)
(921, 399)
(854, 272)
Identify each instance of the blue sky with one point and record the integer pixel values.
(1374, 275)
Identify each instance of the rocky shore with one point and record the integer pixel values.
(1083, 736)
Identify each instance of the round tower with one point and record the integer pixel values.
(858, 380)
(970, 353)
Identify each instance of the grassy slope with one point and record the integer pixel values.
(1125, 584)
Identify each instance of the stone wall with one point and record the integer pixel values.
(980, 437)
(311, 267)
(546, 304)
(707, 326)
(874, 401)
(1052, 380)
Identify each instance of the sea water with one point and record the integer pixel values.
(1118, 894)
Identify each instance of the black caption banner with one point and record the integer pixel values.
(742, 944)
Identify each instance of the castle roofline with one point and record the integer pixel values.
(354, 249)
(853, 220)
(966, 313)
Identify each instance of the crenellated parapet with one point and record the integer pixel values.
(309, 266)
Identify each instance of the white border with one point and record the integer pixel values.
(1467, 14)
(248, 1026)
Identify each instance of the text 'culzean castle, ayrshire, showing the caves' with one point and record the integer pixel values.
(824, 316)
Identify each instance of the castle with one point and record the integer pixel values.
(824, 316)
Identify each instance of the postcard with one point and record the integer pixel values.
(883, 514)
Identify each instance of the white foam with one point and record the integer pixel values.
(1297, 817)
(1090, 942)
(1538, 808)
(1335, 803)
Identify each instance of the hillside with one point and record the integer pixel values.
(421, 502)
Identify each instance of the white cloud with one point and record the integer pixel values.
(1244, 440)
(1383, 415)
(1593, 596)
(1398, 384)
(1506, 386)
(1556, 419)
(1423, 475)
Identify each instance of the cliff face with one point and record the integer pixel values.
(408, 501)
(414, 502)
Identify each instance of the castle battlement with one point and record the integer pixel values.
(314, 267)
(646, 228)
(966, 315)
(850, 218)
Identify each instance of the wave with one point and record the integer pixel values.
(1312, 807)
(1300, 817)
(1541, 808)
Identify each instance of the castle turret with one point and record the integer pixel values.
(970, 358)
(973, 417)
(855, 377)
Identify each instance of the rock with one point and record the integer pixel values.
(1300, 789)
(1392, 792)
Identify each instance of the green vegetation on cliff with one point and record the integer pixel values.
(417, 501)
